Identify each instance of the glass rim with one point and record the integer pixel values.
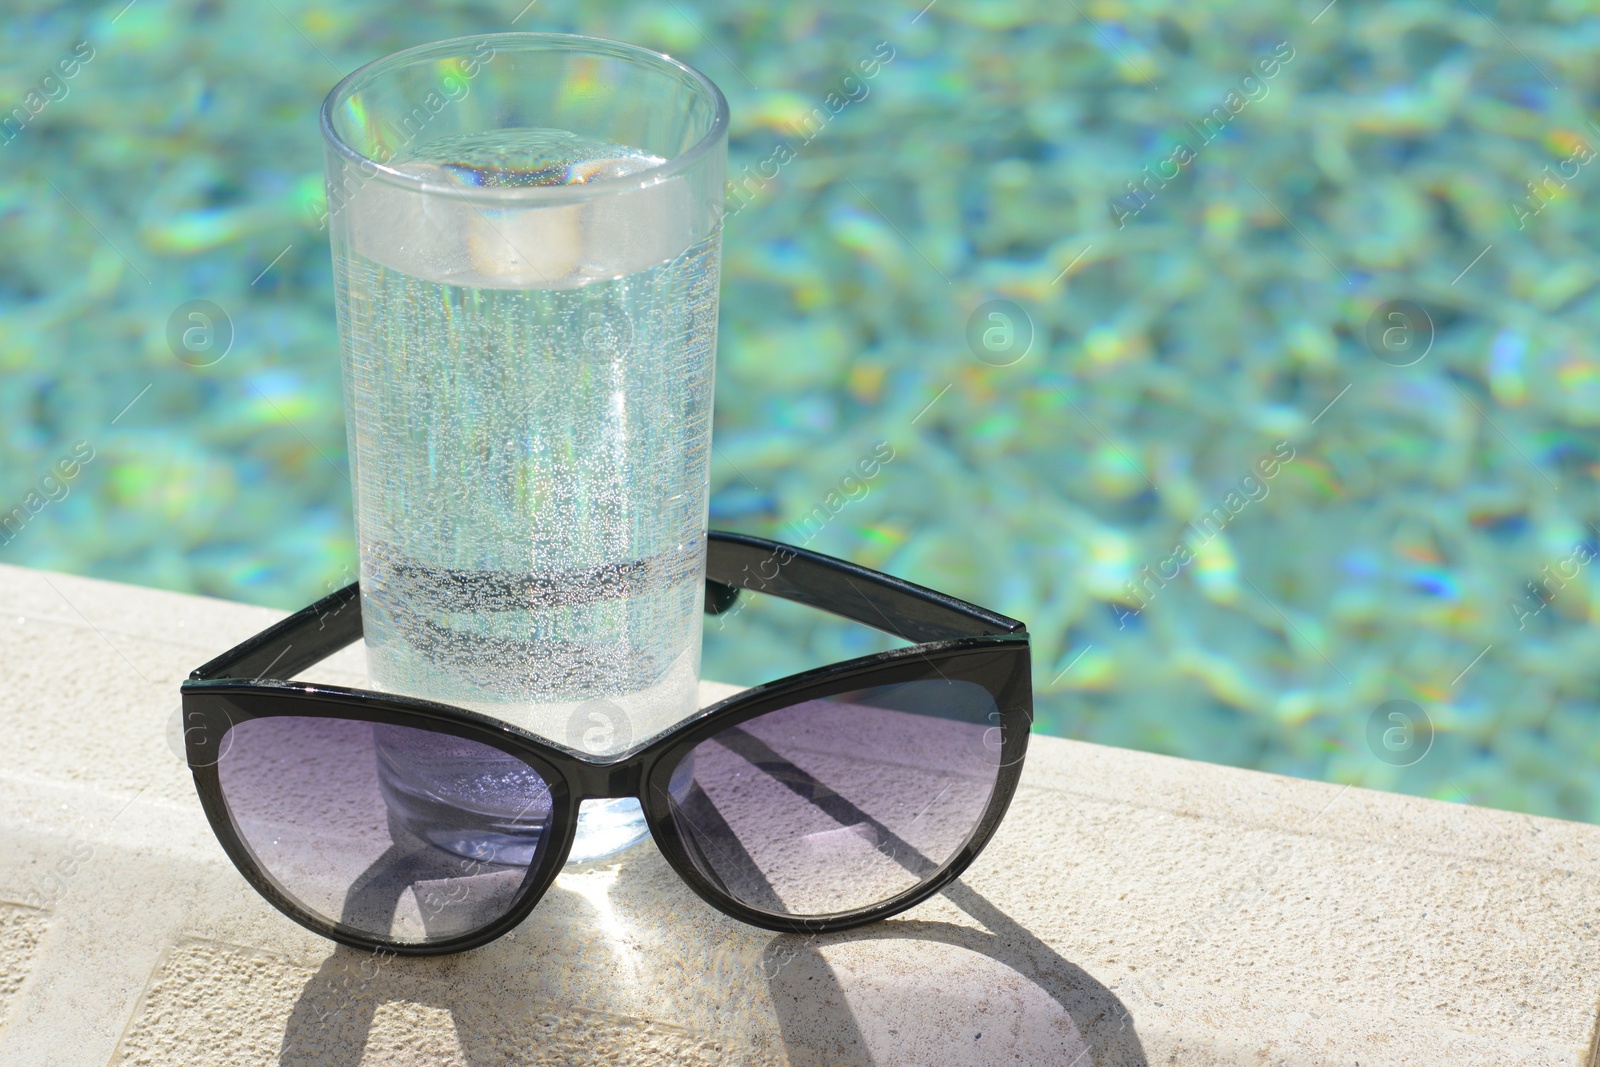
(530, 194)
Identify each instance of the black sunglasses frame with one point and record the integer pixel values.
(955, 641)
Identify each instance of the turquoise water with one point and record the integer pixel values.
(1110, 284)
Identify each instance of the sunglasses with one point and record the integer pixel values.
(818, 802)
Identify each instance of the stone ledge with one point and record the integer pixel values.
(1134, 909)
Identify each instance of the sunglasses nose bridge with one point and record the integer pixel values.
(606, 781)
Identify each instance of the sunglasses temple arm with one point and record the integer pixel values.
(306, 637)
(733, 562)
(317, 632)
(911, 612)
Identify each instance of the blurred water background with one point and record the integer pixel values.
(1244, 350)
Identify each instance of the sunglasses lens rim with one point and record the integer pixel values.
(1000, 666)
(221, 706)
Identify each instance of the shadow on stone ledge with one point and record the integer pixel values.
(899, 991)
(934, 999)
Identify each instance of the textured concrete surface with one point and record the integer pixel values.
(1133, 910)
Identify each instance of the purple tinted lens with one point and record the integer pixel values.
(404, 835)
(839, 803)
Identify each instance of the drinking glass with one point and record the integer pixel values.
(526, 241)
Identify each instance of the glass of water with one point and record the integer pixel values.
(526, 240)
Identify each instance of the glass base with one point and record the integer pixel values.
(606, 827)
